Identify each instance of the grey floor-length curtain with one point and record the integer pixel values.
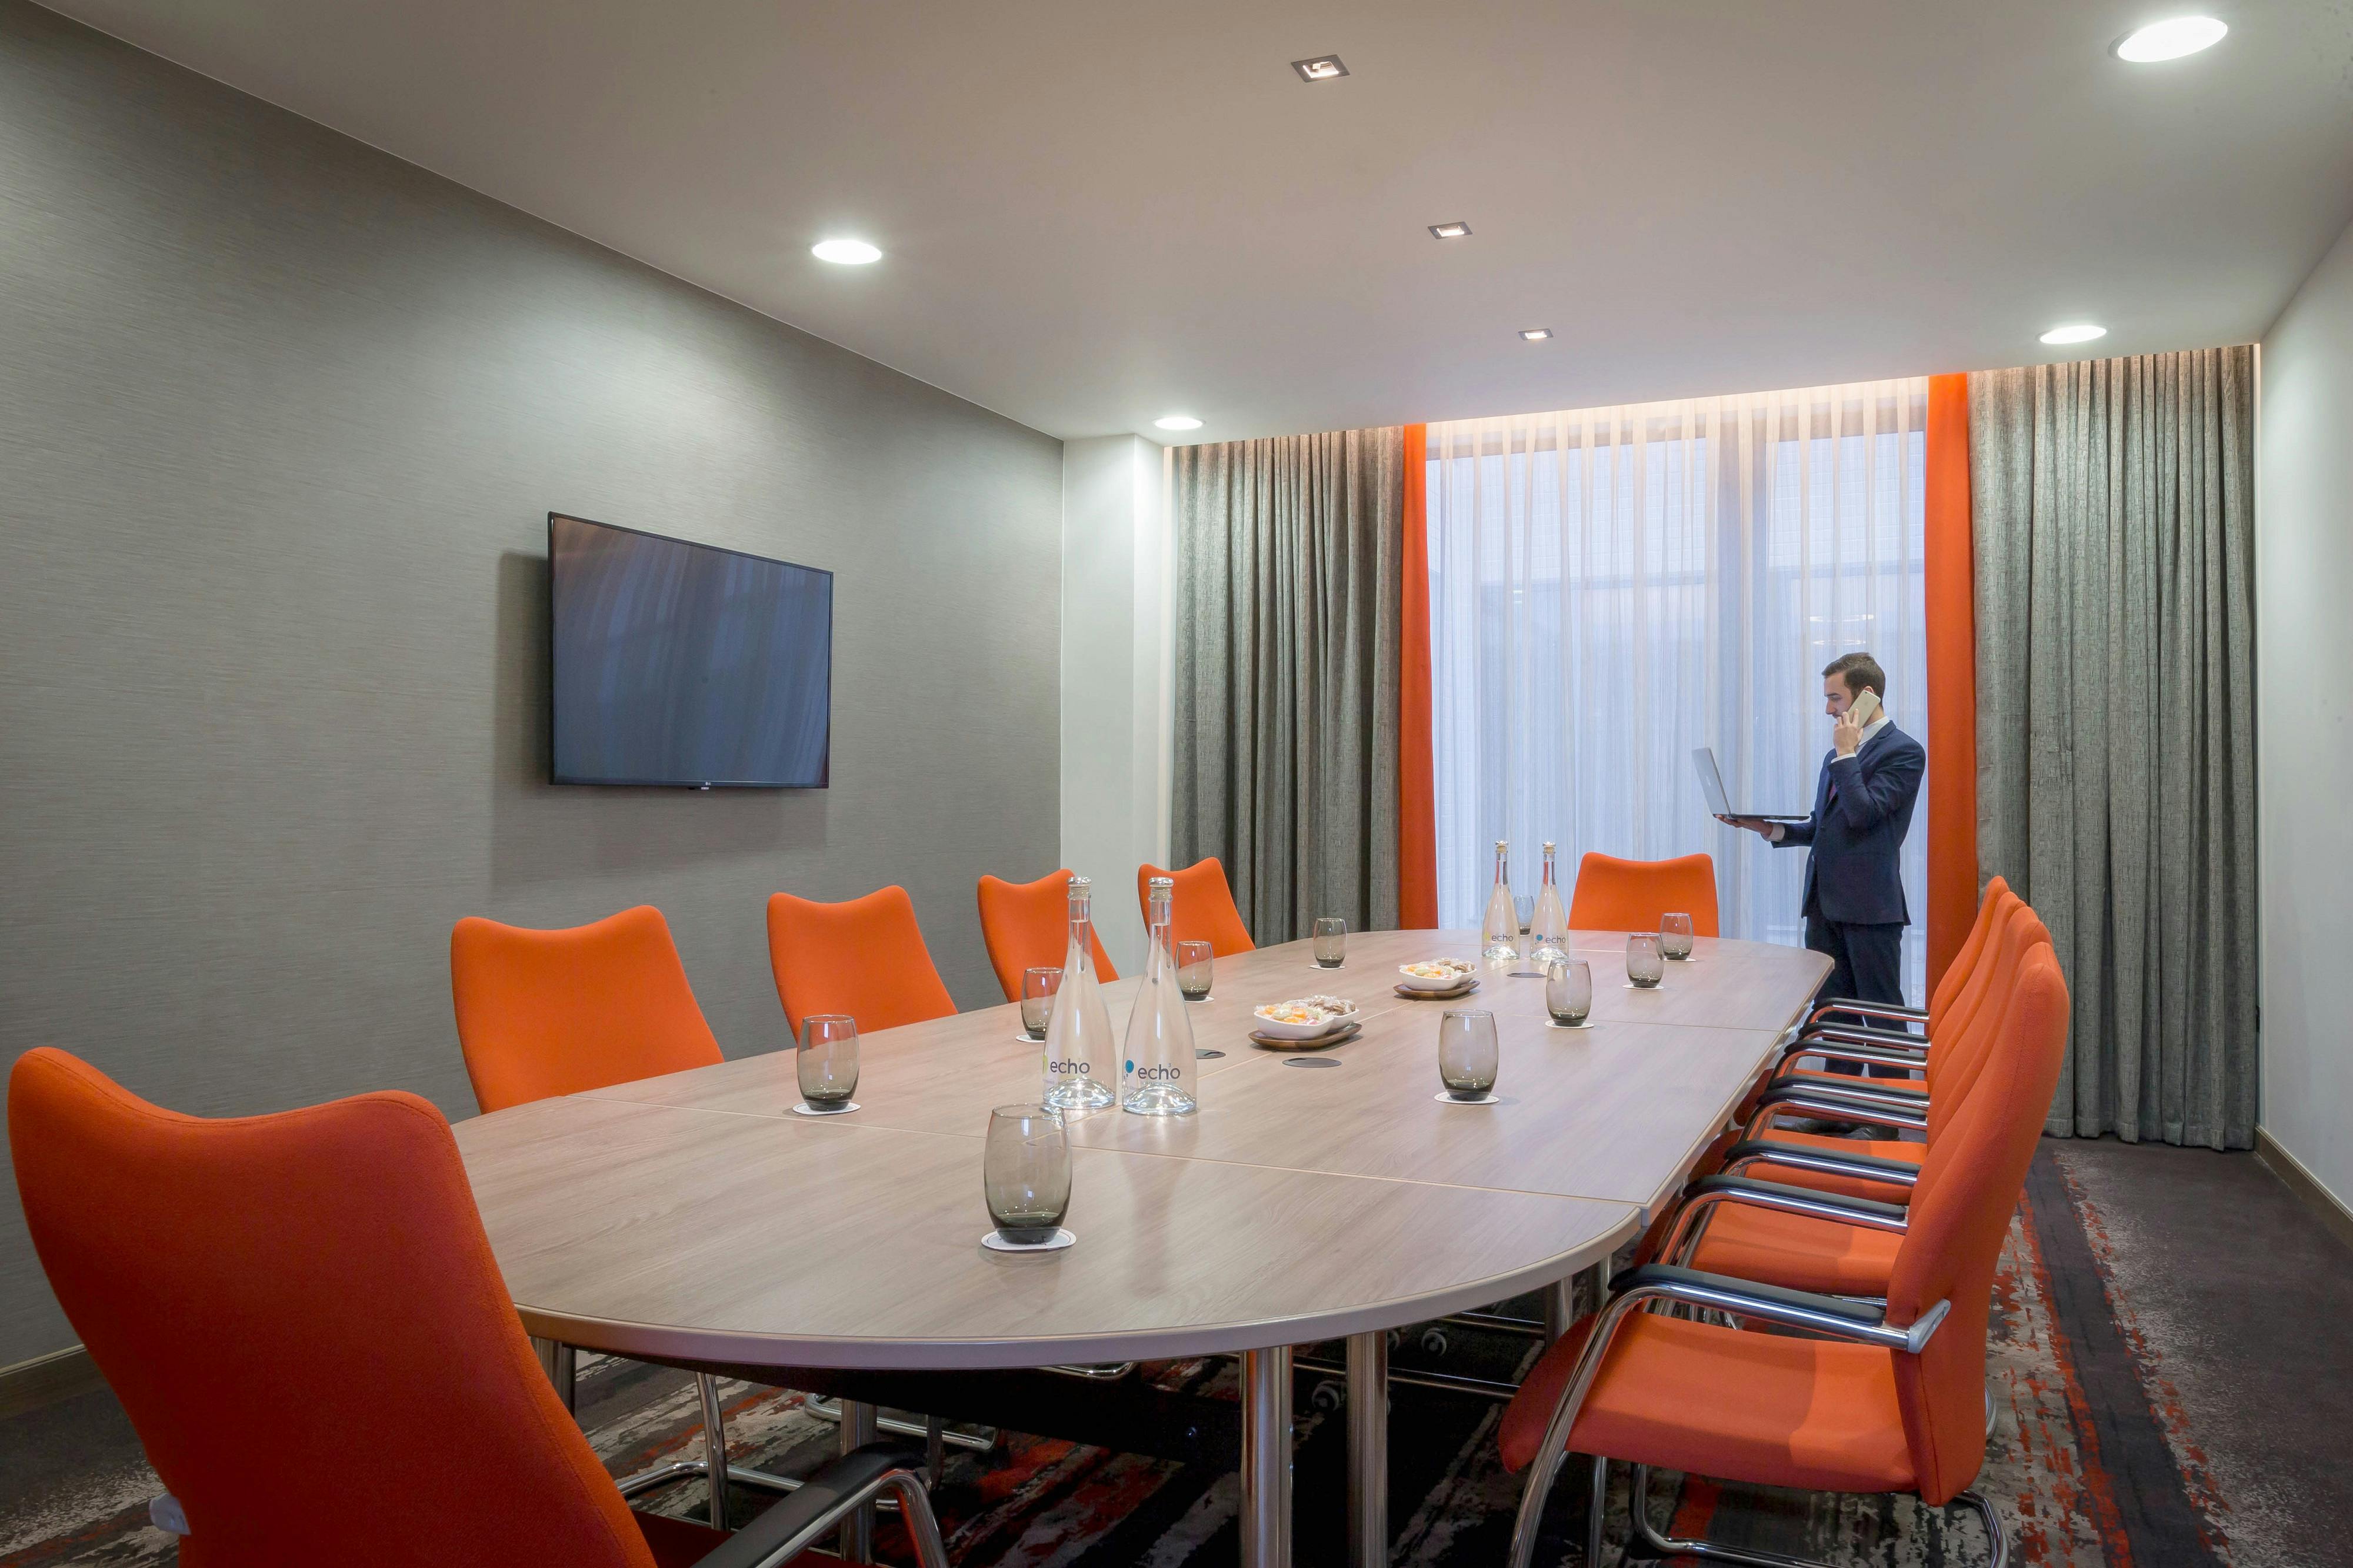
(1288, 554)
(2113, 525)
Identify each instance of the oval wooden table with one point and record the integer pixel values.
(695, 1217)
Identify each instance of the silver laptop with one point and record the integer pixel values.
(1711, 785)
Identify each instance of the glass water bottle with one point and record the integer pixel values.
(1156, 1074)
(1549, 927)
(1499, 933)
(1079, 1046)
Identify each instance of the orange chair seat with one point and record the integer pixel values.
(1796, 1253)
(1764, 1408)
(1847, 1186)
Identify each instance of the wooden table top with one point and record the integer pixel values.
(694, 1217)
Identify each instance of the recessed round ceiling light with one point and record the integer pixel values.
(1178, 422)
(2079, 332)
(2171, 40)
(848, 252)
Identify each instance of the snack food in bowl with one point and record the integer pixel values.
(1436, 974)
(1303, 1017)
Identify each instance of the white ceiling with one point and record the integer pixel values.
(1096, 212)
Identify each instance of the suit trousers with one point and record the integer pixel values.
(1866, 964)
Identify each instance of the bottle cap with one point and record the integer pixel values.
(1502, 844)
(1548, 846)
(1080, 884)
(1164, 881)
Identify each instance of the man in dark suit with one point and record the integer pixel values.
(1855, 907)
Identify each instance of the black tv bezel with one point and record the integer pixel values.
(824, 782)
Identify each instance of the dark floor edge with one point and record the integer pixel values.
(2125, 1438)
(2305, 1185)
(46, 1379)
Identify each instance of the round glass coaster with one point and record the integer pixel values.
(1310, 1062)
(1206, 1056)
(996, 1243)
(1024, 1038)
(1490, 1098)
(1629, 985)
(1556, 1024)
(806, 1108)
(1671, 958)
(1204, 997)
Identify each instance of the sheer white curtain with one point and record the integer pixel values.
(1612, 588)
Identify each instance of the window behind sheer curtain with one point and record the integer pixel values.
(1612, 587)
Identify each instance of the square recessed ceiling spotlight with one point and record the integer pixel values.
(1537, 334)
(1323, 67)
(1449, 231)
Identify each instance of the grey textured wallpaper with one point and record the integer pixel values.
(280, 421)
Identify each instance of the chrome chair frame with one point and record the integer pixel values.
(1659, 1285)
(831, 1499)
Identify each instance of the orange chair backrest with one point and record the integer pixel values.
(1631, 895)
(1973, 948)
(1202, 908)
(302, 1319)
(544, 1012)
(1961, 1213)
(1026, 925)
(1955, 1072)
(865, 958)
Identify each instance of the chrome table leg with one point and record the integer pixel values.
(715, 1449)
(1266, 1459)
(1559, 1300)
(1368, 1449)
(562, 1364)
(858, 1530)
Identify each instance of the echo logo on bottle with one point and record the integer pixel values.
(1060, 1069)
(1166, 1073)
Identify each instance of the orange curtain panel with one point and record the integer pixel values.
(1416, 772)
(1952, 679)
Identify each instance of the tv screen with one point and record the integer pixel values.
(681, 664)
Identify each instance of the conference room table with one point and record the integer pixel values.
(1313, 1196)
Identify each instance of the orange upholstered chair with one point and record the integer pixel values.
(544, 1012)
(1203, 909)
(1026, 925)
(1951, 1069)
(247, 1285)
(865, 958)
(1631, 895)
(1878, 1400)
(1807, 1252)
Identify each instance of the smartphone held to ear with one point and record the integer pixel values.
(1865, 707)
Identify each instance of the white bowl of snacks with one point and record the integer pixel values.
(1303, 1017)
(1436, 974)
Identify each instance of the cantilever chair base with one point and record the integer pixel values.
(1673, 1546)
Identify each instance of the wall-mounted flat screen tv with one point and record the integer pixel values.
(675, 663)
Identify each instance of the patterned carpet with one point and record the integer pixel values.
(2092, 1461)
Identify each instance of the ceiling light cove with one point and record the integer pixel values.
(1178, 422)
(2076, 332)
(1535, 334)
(1323, 67)
(845, 252)
(2169, 39)
(1449, 231)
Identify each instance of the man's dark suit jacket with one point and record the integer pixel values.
(1854, 876)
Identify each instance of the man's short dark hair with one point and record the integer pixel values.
(1862, 672)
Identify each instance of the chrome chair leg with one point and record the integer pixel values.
(714, 1426)
(1664, 1546)
(1600, 1511)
